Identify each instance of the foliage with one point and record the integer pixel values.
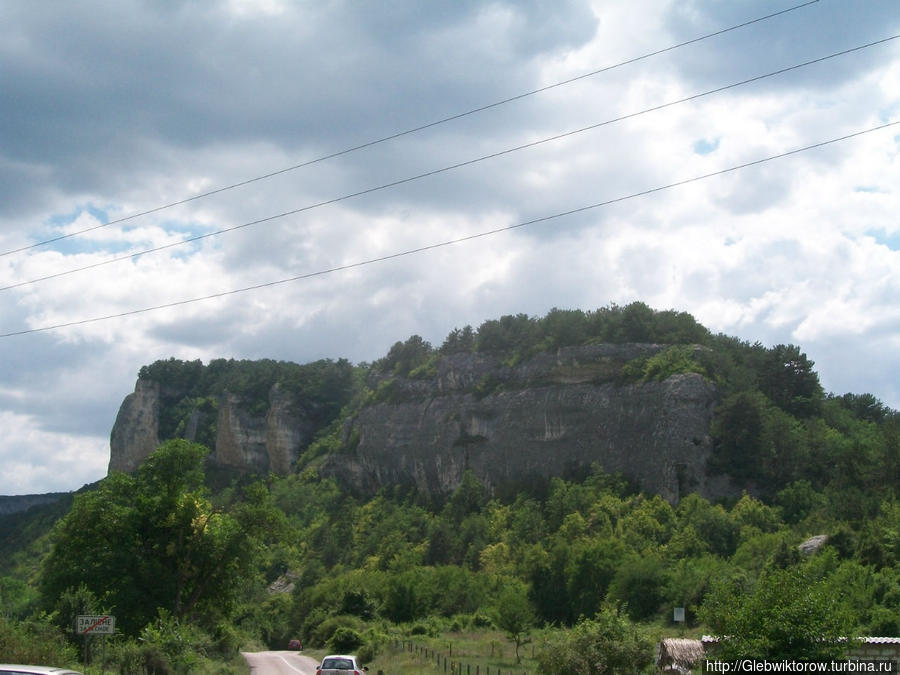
(36, 640)
(405, 357)
(182, 644)
(672, 361)
(345, 639)
(514, 615)
(789, 613)
(155, 540)
(188, 387)
(608, 643)
(180, 564)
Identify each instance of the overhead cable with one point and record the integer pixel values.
(448, 242)
(445, 169)
(407, 132)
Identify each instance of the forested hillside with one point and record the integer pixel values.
(194, 572)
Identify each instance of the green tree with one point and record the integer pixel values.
(607, 644)
(639, 585)
(459, 340)
(155, 540)
(788, 379)
(590, 572)
(405, 356)
(514, 615)
(791, 613)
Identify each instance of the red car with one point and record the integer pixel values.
(295, 644)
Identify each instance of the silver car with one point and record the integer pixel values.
(340, 664)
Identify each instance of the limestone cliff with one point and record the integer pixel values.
(246, 435)
(544, 417)
(553, 414)
(135, 433)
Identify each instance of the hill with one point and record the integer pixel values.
(650, 394)
(434, 491)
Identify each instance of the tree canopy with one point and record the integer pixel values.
(156, 540)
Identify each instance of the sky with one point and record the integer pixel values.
(112, 110)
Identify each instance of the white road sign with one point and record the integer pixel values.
(101, 624)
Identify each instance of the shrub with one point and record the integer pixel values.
(183, 645)
(366, 653)
(34, 641)
(327, 629)
(345, 639)
(609, 643)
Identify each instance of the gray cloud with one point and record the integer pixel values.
(126, 107)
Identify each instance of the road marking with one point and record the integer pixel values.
(290, 666)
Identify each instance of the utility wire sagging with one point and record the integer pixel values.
(408, 132)
(450, 242)
(446, 169)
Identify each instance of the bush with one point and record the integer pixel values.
(345, 639)
(639, 585)
(366, 653)
(419, 629)
(608, 643)
(182, 645)
(322, 635)
(34, 641)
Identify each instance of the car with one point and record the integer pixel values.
(340, 664)
(18, 669)
(295, 644)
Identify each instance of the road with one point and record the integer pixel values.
(280, 663)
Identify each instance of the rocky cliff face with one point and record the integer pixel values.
(246, 437)
(135, 433)
(550, 415)
(544, 417)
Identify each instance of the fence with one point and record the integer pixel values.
(449, 665)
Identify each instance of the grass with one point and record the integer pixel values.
(470, 652)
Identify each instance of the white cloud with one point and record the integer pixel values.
(802, 249)
(34, 461)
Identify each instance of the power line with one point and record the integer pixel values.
(448, 242)
(445, 169)
(407, 132)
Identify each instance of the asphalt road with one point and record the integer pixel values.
(280, 663)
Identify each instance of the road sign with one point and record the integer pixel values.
(100, 624)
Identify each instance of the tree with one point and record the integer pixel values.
(514, 615)
(459, 340)
(788, 379)
(405, 356)
(155, 540)
(790, 614)
(606, 644)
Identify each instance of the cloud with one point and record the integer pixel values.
(110, 111)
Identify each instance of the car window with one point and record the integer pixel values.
(337, 664)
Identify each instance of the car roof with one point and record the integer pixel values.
(35, 670)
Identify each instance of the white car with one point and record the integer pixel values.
(14, 669)
(340, 664)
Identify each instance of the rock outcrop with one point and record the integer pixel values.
(135, 433)
(554, 414)
(247, 436)
(545, 417)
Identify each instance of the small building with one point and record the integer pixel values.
(878, 649)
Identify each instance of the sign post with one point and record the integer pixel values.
(101, 624)
(94, 624)
(678, 617)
